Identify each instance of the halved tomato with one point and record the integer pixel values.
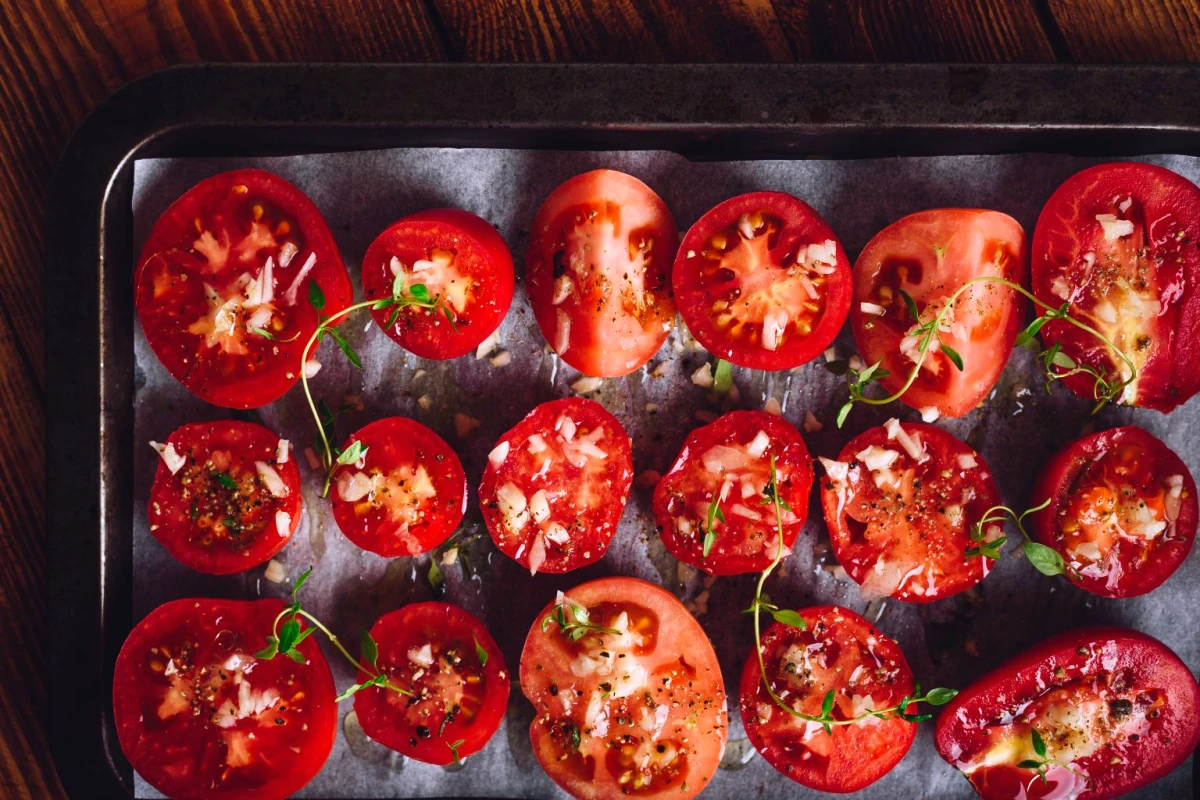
(599, 272)
(222, 287)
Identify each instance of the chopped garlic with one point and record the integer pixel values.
(586, 385)
(282, 451)
(173, 460)
(499, 454)
(811, 423)
(1114, 228)
(283, 523)
(271, 479)
(772, 407)
(487, 345)
(501, 359)
(703, 377)
(275, 572)
(930, 413)
(464, 425)
(311, 368)
(873, 309)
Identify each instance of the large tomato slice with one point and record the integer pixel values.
(1122, 511)
(1118, 243)
(222, 287)
(762, 281)
(930, 255)
(729, 463)
(198, 716)
(599, 272)
(635, 706)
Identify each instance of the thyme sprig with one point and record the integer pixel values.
(1045, 560)
(713, 515)
(572, 621)
(1042, 764)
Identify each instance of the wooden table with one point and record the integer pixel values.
(58, 58)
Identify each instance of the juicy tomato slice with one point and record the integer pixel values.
(839, 652)
(405, 495)
(762, 281)
(1118, 243)
(1114, 708)
(457, 677)
(634, 705)
(1122, 513)
(599, 272)
(226, 495)
(222, 287)
(900, 503)
(727, 464)
(930, 255)
(198, 716)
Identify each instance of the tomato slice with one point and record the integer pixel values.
(222, 287)
(839, 652)
(405, 495)
(930, 255)
(599, 272)
(455, 670)
(729, 463)
(762, 281)
(637, 708)
(1118, 244)
(1122, 511)
(900, 503)
(198, 716)
(1115, 710)
(226, 495)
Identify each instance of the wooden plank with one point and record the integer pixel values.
(1129, 30)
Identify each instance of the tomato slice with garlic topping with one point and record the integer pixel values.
(599, 272)
(555, 485)
(199, 717)
(631, 703)
(404, 495)
(222, 287)
(721, 474)
(762, 281)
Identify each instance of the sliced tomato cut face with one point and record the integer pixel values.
(405, 495)
(449, 662)
(929, 256)
(555, 486)
(716, 488)
(198, 716)
(599, 272)
(630, 704)
(226, 495)
(223, 286)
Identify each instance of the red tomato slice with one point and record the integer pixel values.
(198, 716)
(730, 461)
(637, 708)
(900, 523)
(556, 484)
(226, 496)
(1135, 277)
(1114, 708)
(930, 255)
(599, 272)
(840, 652)
(1122, 511)
(222, 287)
(405, 496)
(464, 265)
(434, 651)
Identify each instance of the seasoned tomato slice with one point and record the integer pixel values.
(405, 494)
(599, 272)
(198, 716)
(627, 691)
(720, 476)
(457, 677)
(222, 287)
(226, 495)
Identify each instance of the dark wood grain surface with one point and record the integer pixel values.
(59, 58)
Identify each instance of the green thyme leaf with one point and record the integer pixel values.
(349, 351)
(288, 635)
(378, 680)
(911, 305)
(398, 286)
(1029, 764)
(480, 653)
(355, 452)
(1031, 331)
(1045, 560)
(844, 412)
(827, 704)
(300, 582)
(224, 480)
(316, 298)
(1039, 746)
(437, 579)
(270, 651)
(722, 376)
(369, 650)
(940, 696)
(790, 618)
(419, 292)
(953, 355)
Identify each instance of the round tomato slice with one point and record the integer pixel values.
(223, 286)
(1113, 709)
(599, 272)
(628, 693)
(404, 495)
(715, 492)
(900, 503)
(226, 495)
(929, 256)
(1122, 511)
(1117, 243)
(198, 716)
(762, 281)
(457, 677)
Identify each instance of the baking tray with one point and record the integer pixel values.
(700, 112)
